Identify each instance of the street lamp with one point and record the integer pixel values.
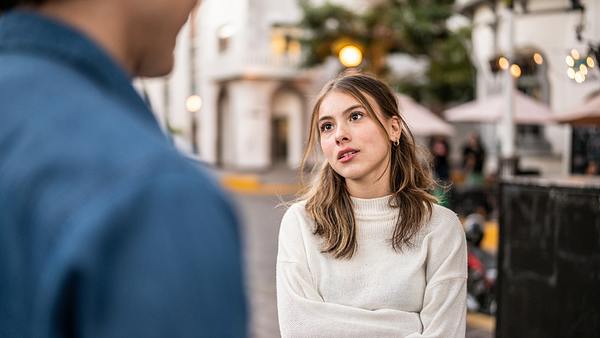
(350, 56)
(193, 103)
(510, 72)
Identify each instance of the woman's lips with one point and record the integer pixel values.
(346, 156)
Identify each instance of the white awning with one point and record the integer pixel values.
(490, 110)
(422, 121)
(586, 113)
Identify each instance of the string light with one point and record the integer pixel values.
(515, 70)
(590, 61)
(579, 66)
(575, 54)
(570, 61)
(503, 63)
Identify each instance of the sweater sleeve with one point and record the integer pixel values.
(304, 313)
(444, 304)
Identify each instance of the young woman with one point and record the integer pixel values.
(367, 252)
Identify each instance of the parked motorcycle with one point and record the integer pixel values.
(482, 268)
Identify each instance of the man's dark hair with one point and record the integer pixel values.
(9, 4)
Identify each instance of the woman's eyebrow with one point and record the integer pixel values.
(327, 117)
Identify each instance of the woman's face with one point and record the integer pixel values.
(353, 142)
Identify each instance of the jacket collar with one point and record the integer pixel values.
(28, 32)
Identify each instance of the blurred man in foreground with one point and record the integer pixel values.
(105, 231)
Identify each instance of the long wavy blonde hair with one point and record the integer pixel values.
(328, 202)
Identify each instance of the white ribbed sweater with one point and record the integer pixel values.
(420, 292)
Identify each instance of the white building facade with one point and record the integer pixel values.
(242, 59)
(548, 28)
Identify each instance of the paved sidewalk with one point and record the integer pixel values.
(276, 181)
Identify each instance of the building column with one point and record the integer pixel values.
(250, 121)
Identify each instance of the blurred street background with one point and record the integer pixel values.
(504, 95)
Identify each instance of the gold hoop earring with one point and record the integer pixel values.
(396, 143)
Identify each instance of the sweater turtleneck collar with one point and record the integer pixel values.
(379, 206)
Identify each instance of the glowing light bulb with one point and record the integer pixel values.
(193, 103)
(350, 56)
(590, 62)
(515, 70)
(503, 63)
(569, 60)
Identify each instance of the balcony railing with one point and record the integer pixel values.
(254, 64)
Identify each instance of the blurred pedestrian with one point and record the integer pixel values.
(592, 168)
(367, 252)
(440, 150)
(473, 160)
(105, 230)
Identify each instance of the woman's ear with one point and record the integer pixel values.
(395, 128)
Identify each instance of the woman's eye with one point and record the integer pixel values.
(326, 127)
(356, 116)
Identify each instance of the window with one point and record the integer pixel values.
(285, 41)
(533, 81)
(224, 34)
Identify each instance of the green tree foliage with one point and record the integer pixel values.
(415, 27)
(325, 25)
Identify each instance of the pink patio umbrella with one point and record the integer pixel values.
(420, 120)
(587, 113)
(490, 110)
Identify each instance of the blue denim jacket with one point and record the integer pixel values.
(105, 230)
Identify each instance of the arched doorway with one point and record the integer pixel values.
(287, 115)
(279, 137)
(224, 139)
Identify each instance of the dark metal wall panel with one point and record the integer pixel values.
(549, 276)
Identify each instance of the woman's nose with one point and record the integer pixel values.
(342, 134)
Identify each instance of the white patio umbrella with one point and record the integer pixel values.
(587, 113)
(420, 120)
(490, 110)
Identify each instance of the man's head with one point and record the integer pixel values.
(9, 4)
(139, 34)
(153, 29)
